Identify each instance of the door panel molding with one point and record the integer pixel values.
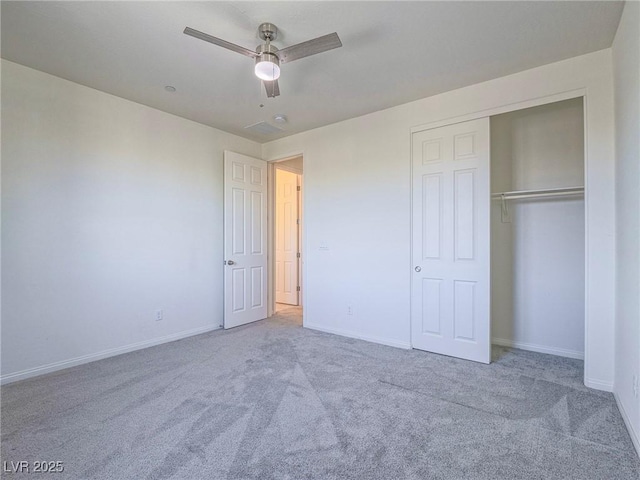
(450, 293)
(245, 238)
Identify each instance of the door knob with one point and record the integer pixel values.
(418, 269)
(230, 262)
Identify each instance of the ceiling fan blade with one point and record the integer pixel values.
(272, 88)
(310, 47)
(221, 43)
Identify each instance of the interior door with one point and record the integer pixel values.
(245, 239)
(286, 237)
(450, 298)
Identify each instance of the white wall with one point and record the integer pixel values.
(537, 260)
(357, 203)
(110, 211)
(626, 61)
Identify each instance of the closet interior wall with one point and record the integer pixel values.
(538, 254)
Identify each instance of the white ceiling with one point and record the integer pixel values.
(393, 52)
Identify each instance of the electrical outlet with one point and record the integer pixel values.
(158, 315)
(635, 386)
(349, 310)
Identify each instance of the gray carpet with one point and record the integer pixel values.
(275, 401)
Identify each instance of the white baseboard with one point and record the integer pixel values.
(92, 357)
(635, 435)
(598, 385)
(538, 348)
(347, 333)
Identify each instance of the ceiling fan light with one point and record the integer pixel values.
(267, 67)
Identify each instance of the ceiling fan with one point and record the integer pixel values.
(268, 58)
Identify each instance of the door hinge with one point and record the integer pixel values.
(298, 188)
(297, 221)
(298, 255)
(298, 288)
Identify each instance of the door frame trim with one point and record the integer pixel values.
(511, 107)
(271, 205)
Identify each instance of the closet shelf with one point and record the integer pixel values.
(547, 192)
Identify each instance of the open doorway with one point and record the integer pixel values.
(286, 290)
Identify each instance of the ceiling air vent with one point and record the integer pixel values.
(263, 128)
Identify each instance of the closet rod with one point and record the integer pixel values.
(548, 192)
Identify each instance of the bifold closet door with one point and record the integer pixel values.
(450, 297)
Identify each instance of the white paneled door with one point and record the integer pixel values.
(450, 298)
(245, 239)
(286, 237)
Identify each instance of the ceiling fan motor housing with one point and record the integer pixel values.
(269, 51)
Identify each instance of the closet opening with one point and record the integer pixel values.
(538, 229)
